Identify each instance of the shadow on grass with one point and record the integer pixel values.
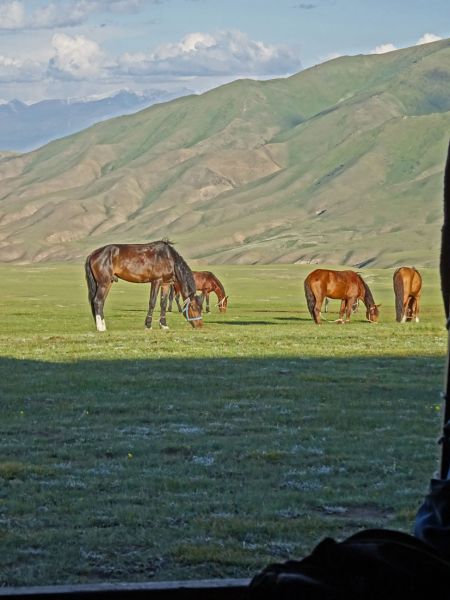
(246, 322)
(183, 449)
(22, 379)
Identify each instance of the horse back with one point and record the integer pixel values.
(409, 279)
(334, 284)
(136, 263)
(206, 281)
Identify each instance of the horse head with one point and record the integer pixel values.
(192, 310)
(222, 304)
(373, 313)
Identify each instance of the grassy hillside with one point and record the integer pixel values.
(341, 163)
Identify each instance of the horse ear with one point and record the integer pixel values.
(378, 305)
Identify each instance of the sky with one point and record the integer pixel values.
(82, 48)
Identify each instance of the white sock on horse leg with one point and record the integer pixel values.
(101, 326)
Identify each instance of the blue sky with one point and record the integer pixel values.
(73, 48)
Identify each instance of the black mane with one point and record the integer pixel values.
(183, 273)
(368, 298)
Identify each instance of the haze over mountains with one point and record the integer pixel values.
(342, 163)
(24, 127)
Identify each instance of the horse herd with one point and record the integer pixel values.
(159, 264)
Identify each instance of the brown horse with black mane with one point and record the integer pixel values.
(157, 263)
(205, 282)
(407, 288)
(347, 286)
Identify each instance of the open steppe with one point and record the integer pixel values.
(131, 455)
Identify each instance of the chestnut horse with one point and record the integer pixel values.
(347, 286)
(205, 282)
(407, 289)
(157, 263)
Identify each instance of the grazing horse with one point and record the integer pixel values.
(347, 286)
(205, 282)
(157, 263)
(407, 289)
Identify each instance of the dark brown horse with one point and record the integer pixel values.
(205, 282)
(157, 263)
(407, 289)
(347, 286)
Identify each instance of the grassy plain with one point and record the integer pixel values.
(132, 454)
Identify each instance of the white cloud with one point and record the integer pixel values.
(16, 70)
(202, 54)
(15, 14)
(69, 62)
(383, 48)
(75, 57)
(428, 38)
(12, 15)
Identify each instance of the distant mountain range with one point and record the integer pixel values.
(342, 163)
(24, 127)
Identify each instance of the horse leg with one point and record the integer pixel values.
(177, 300)
(162, 317)
(413, 309)
(325, 310)
(348, 309)
(317, 312)
(98, 304)
(170, 298)
(404, 311)
(341, 312)
(207, 302)
(416, 308)
(154, 289)
(406, 304)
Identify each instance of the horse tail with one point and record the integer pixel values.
(310, 298)
(398, 291)
(91, 283)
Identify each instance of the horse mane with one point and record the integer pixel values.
(445, 240)
(368, 298)
(183, 273)
(219, 283)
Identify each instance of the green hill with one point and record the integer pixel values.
(341, 163)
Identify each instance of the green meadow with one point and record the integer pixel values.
(133, 455)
